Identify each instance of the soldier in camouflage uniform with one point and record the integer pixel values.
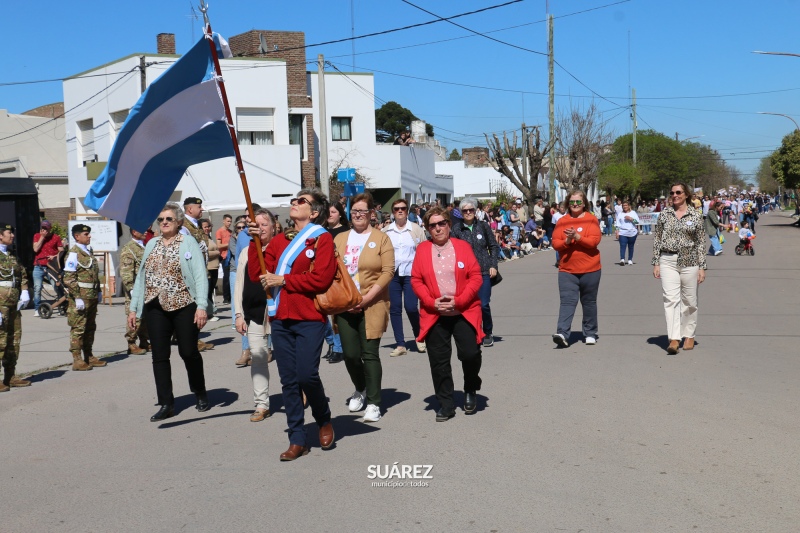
(193, 210)
(13, 297)
(82, 280)
(130, 260)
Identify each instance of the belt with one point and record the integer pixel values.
(84, 285)
(667, 252)
(6, 283)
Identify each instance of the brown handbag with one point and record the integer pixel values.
(342, 295)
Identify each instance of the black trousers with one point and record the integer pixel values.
(161, 325)
(440, 351)
(226, 282)
(213, 277)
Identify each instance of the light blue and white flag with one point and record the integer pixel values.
(179, 121)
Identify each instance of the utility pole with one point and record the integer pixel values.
(324, 176)
(633, 107)
(142, 74)
(552, 104)
(524, 153)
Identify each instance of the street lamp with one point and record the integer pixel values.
(796, 127)
(687, 138)
(776, 53)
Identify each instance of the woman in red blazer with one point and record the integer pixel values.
(446, 278)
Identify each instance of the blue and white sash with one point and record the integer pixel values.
(287, 258)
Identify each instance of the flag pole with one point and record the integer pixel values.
(221, 84)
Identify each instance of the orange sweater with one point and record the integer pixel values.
(581, 256)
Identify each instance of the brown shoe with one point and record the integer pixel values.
(294, 452)
(688, 344)
(326, 436)
(16, 381)
(79, 364)
(4, 387)
(245, 359)
(135, 350)
(259, 415)
(144, 346)
(203, 346)
(94, 361)
(672, 349)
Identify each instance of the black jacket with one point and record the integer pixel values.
(481, 237)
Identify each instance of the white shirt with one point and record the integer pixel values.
(4, 249)
(355, 243)
(404, 247)
(626, 228)
(84, 248)
(557, 217)
(706, 204)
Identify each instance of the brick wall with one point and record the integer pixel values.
(60, 215)
(165, 43)
(475, 157)
(289, 48)
(47, 111)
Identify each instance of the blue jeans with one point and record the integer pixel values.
(245, 340)
(626, 242)
(38, 279)
(515, 232)
(400, 293)
(609, 229)
(485, 294)
(332, 338)
(715, 244)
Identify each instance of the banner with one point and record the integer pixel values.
(648, 219)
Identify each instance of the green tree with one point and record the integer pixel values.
(392, 119)
(785, 161)
(620, 179)
(454, 156)
(429, 130)
(766, 181)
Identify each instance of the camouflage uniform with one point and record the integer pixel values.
(13, 280)
(202, 239)
(130, 260)
(82, 280)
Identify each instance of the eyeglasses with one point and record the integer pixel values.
(399, 208)
(358, 213)
(240, 227)
(576, 202)
(165, 219)
(468, 210)
(675, 193)
(440, 224)
(300, 201)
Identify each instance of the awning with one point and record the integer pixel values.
(17, 187)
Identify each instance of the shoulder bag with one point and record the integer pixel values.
(341, 295)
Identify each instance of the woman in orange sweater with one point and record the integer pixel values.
(576, 237)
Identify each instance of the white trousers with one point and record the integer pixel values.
(679, 286)
(259, 368)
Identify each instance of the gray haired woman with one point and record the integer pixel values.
(486, 250)
(171, 294)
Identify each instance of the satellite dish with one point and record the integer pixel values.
(263, 48)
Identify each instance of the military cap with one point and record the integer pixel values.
(192, 200)
(80, 228)
(4, 227)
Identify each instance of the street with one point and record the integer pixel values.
(613, 437)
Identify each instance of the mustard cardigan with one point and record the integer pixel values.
(375, 266)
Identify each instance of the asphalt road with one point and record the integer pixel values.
(613, 437)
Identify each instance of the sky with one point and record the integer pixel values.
(690, 61)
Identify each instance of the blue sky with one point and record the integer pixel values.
(697, 49)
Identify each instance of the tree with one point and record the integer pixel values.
(392, 119)
(581, 142)
(785, 161)
(342, 160)
(766, 181)
(454, 156)
(620, 178)
(537, 151)
(661, 159)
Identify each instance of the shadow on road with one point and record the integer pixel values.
(661, 341)
(458, 400)
(44, 376)
(168, 425)
(116, 357)
(216, 397)
(392, 397)
(344, 426)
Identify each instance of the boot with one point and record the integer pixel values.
(245, 359)
(203, 346)
(135, 350)
(4, 387)
(144, 345)
(78, 363)
(94, 361)
(12, 380)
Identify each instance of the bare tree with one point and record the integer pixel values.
(582, 139)
(342, 160)
(537, 152)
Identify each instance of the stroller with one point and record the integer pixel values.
(745, 247)
(55, 277)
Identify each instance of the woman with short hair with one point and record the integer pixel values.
(171, 294)
(628, 229)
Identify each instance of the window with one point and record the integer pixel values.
(85, 137)
(255, 126)
(340, 129)
(296, 128)
(118, 119)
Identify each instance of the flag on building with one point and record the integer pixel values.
(179, 121)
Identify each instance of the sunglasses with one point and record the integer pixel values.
(675, 193)
(398, 208)
(240, 227)
(358, 213)
(440, 224)
(165, 219)
(576, 202)
(468, 211)
(299, 201)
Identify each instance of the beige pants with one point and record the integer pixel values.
(679, 286)
(259, 369)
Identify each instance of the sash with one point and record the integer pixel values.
(297, 245)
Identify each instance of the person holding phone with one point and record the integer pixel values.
(446, 278)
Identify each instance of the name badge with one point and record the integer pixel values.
(580, 230)
(460, 264)
(689, 223)
(479, 236)
(372, 245)
(309, 253)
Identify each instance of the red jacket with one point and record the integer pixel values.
(468, 283)
(297, 296)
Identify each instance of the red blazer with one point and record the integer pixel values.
(468, 283)
(297, 296)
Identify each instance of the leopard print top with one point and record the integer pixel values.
(163, 278)
(686, 236)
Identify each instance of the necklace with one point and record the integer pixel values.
(440, 248)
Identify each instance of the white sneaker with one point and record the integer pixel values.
(621, 262)
(591, 341)
(560, 340)
(630, 262)
(356, 402)
(373, 413)
(213, 319)
(36, 313)
(421, 348)
(400, 350)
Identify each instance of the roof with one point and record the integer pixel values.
(17, 187)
